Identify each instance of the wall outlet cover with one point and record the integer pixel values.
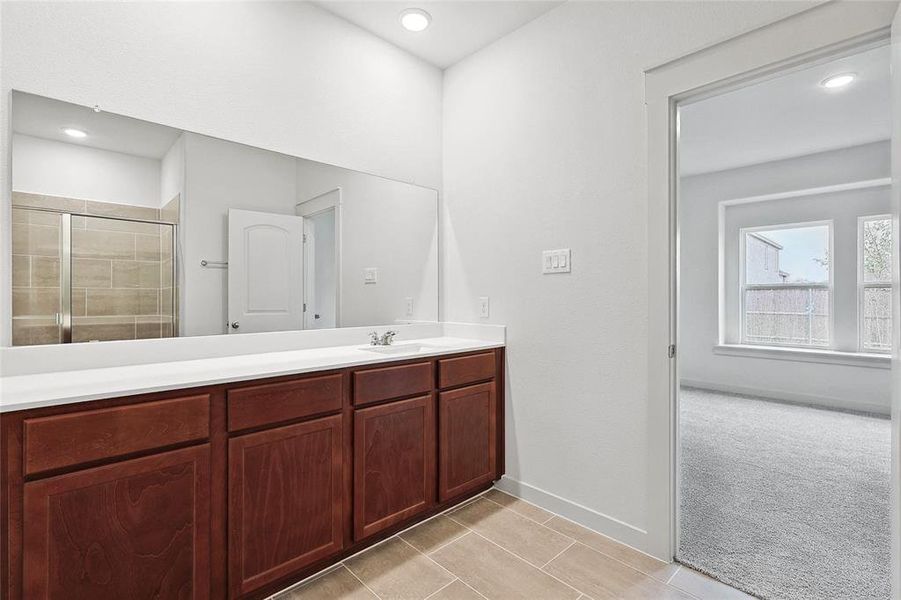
(370, 275)
(483, 307)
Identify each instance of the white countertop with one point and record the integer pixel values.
(51, 389)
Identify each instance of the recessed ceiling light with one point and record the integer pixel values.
(76, 133)
(415, 19)
(837, 81)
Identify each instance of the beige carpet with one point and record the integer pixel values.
(782, 501)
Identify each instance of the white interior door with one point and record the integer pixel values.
(265, 272)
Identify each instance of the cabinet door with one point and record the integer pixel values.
(467, 425)
(135, 529)
(394, 463)
(284, 500)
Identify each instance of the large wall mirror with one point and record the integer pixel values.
(124, 229)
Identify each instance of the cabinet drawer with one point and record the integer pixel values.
(373, 385)
(257, 405)
(72, 439)
(466, 369)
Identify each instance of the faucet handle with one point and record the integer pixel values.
(373, 338)
(388, 337)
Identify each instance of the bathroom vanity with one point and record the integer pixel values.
(238, 489)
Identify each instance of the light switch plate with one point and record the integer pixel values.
(556, 261)
(408, 302)
(370, 275)
(483, 307)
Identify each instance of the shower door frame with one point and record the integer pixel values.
(65, 265)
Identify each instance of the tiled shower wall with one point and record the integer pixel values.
(122, 283)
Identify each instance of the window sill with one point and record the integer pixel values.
(832, 357)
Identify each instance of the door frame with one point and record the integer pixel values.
(815, 35)
(320, 203)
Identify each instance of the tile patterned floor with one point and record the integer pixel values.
(498, 547)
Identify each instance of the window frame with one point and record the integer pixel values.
(862, 285)
(744, 285)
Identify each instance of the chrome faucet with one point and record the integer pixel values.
(384, 340)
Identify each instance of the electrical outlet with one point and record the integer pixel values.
(483, 307)
(408, 302)
(370, 275)
(556, 261)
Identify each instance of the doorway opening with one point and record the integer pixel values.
(785, 331)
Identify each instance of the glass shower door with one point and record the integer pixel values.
(79, 278)
(38, 294)
(122, 279)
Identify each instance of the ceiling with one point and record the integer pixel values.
(788, 116)
(46, 118)
(458, 28)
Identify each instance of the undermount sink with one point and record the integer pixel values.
(412, 348)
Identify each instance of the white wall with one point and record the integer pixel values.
(545, 147)
(830, 385)
(220, 175)
(55, 168)
(388, 225)
(286, 76)
(172, 172)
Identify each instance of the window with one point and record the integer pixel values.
(786, 293)
(875, 283)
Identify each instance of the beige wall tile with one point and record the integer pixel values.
(128, 211)
(517, 505)
(89, 272)
(166, 301)
(30, 332)
(113, 302)
(635, 559)
(90, 329)
(602, 577)
(166, 275)
(434, 533)
(45, 272)
(20, 216)
(396, 570)
(41, 240)
(338, 584)
(148, 302)
(521, 536)
(79, 302)
(40, 201)
(37, 217)
(35, 302)
(103, 244)
(101, 224)
(136, 274)
(147, 328)
(495, 573)
(147, 247)
(21, 270)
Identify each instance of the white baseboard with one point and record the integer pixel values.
(790, 397)
(604, 524)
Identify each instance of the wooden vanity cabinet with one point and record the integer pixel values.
(285, 501)
(467, 439)
(238, 490)
(394, 463)
(138, 528)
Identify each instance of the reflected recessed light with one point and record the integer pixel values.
(76, 133)
(415, 19)
(837, 81)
